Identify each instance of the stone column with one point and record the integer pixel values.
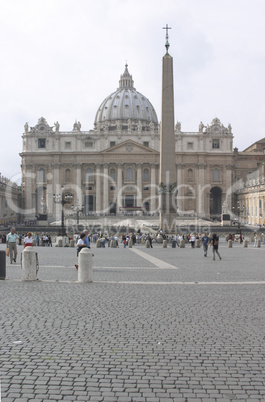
(200, 192)
(98, 189)
(56, 190)
(180, 188)
(119, 187)
(139, 185)
(79, 193)
(49, 193)
(153, 194)
(28, 189)
(229, 186)
(106, 189)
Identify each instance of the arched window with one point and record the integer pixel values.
(113, 174)
(41, 175)
(129, 174)
(190, 175)
(146, 175)
(216, 175)
(68, 175)
(89, 175)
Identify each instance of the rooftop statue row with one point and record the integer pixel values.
(214, 128)
(42, 126)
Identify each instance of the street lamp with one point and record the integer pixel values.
(62, 199)
(238, 212)
(77, 208)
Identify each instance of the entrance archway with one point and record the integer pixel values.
(216, 203)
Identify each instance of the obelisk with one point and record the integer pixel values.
(167, 182)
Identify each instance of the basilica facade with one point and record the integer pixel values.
(113, 169)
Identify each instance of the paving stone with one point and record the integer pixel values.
(154, 340)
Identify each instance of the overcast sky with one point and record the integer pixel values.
(61, 58)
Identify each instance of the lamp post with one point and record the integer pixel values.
(77, 208)
(62, 199)
(238, 212)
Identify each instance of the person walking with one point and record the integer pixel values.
(80, 244)
(150, 240)
(86, 239)
(215, 243)
(192, 241)
(28, 241)
(205, 240)
(11, 244)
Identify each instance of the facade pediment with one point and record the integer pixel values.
(129, 147)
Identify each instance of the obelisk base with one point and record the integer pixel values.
(168, 222)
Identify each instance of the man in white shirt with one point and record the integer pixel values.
(11, 243)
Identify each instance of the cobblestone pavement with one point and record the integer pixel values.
(180, 327)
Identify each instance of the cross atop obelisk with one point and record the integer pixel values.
(167, 42)
(167, 177)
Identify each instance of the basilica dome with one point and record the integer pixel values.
(126, 104)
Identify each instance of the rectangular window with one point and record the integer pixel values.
(112, 188)
(112, 143)
(146, 144)
(41, 143)
(146, 188)
(88, 144)
(216, 144)
(190, 145)
(67, 145)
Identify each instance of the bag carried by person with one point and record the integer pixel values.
(7, 251)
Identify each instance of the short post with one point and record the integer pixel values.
(60, 243)
(2, 264)
(245, 243)
(72, 243)
(29, 264)
(164, 244)
(258, 243)
(197, 243)
(174, 243)
(98, 244)
(230, 243)
(85, 266)
(147, 244)
(130, 243)
(113, 243)
(182, 243)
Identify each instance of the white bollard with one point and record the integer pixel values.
(197, 243)
(230, 243)
(147, 244)
(164, 244)
(29, 264)
(85, 266)
(113, 243)
(182, 243)
(130, 243)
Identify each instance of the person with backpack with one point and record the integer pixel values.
(215, 243)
